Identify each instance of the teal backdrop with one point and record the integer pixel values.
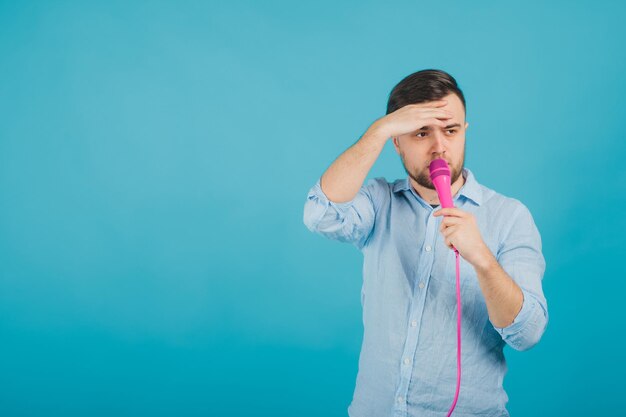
(154, 163)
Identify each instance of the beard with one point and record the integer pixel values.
(422, 176)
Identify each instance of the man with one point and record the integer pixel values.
(407, 365)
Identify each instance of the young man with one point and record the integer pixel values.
(407, 365)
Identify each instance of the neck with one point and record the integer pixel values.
(431, 196)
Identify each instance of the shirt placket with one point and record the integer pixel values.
(418, 300)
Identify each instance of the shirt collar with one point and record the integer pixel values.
(471, 189)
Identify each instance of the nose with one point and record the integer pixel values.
(439, 145)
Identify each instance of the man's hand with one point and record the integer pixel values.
(504, 298)
(459, 228)
(411, 118)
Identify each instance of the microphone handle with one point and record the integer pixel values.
(442, 185)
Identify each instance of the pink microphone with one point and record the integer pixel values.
(440, 176)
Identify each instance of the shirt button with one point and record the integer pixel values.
(407, 361)
(421, 284)
(414, 323)
(400, 399)
(428, 248)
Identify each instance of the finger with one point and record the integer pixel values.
(449, 211)
(449, 231)
(423, 124)
(431, 122)
(448, 221)
(438, 113)
(436, 103)
(444, 225)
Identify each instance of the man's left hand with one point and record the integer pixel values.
(459, 228)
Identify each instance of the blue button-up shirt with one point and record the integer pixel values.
(407, 365)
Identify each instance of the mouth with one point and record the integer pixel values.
(448, 162)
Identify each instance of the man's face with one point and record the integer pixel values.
(417, 149)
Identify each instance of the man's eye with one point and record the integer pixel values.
(451, 131)
(418, 134)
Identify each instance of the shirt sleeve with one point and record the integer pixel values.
(351, 221)
(521, 258)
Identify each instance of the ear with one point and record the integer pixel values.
(466, 125)
(396, 144)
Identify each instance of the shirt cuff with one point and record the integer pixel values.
(522, 317)
(317, 191)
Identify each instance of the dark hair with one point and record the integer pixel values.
(423, 86)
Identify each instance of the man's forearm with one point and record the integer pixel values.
(343, 179)
(504, 298)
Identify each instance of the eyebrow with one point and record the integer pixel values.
(447, 127)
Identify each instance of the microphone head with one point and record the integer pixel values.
(438, 167)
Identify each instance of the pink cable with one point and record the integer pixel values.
(458, 334)
(440, 176)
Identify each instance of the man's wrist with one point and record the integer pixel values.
(376, 133)
(485, 262)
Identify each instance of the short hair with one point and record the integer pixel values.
(423, 86)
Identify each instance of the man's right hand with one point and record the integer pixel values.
(411, 118)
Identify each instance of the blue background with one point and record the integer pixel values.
(155, 159)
